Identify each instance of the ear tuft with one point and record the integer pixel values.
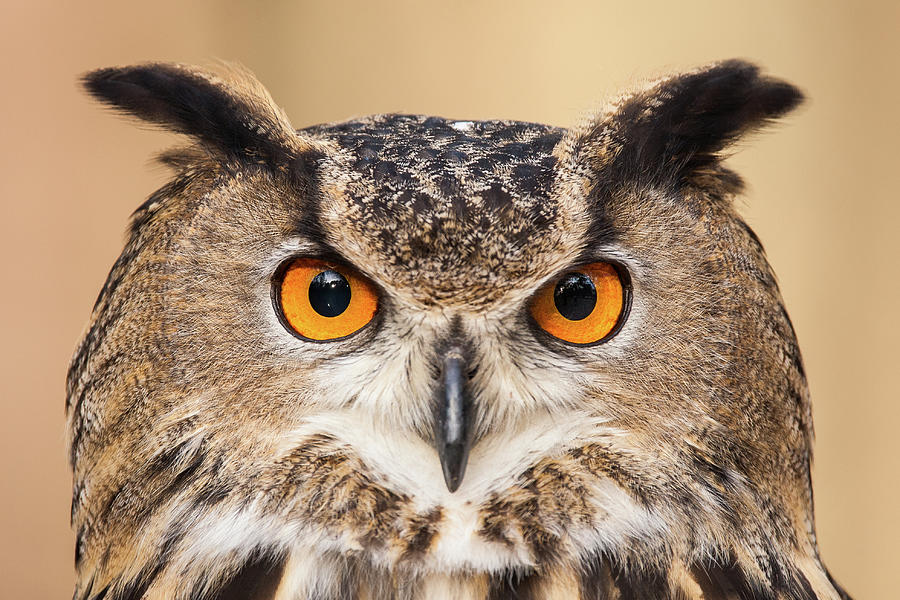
(233, 115)
(674, 128)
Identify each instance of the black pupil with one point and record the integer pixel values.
(329, 293)
(575, 296)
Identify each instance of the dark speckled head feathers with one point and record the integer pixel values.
(457, 209)
(452, 446)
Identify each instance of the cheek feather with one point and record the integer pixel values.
(409, 466)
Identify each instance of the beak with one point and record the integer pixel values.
(453, 419)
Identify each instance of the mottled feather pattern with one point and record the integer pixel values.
(215, 455)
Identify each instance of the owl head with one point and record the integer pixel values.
(404, 352)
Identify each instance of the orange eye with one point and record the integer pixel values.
(323, 301)
(583, 306)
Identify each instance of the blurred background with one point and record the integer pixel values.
(822, 192)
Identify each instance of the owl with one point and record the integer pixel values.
(408, 357)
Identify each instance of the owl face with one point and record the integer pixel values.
(411, 345)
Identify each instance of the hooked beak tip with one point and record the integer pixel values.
(453, 463)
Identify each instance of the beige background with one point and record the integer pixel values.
(822, 193)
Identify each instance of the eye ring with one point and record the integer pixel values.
(582, 331)
(340, 314)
